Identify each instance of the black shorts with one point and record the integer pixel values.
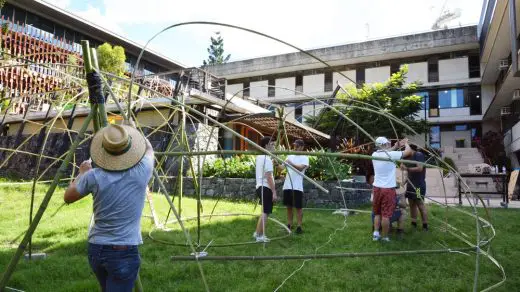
(293, 198)
(416, 194)
(266, 200)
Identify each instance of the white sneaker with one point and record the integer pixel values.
(262, 238)
(385, 239)
(376, 236)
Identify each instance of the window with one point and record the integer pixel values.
(69, 35)
(435, 137)
(8, 12)
(425, 99)
(59, 31)
(360, 77)
(433, 104)
(299, 83)
(40, 22)
(461, 127)
(270, 89)
(298, 113)
(19, 15)
(475, 102)
(246, 91)
(328, 82)
(474, 66)
(451, 98)
(394, 68)
(78, 37)
(433, 70)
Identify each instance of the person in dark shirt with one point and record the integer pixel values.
(416, 187)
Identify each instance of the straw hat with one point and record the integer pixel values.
(117, 147)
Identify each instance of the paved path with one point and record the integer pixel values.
(493, 203)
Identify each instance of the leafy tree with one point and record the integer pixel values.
(111, 59)
(393, 96)
(216, 51)
(2, 3)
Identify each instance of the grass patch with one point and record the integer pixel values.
(62, 234)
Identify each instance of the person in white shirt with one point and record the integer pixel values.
(383, 204)
(293, 185)
(265, 188)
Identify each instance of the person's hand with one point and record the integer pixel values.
(85, 166)
(403, 167)
(404, 141)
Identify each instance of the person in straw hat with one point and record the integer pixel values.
(124, 160)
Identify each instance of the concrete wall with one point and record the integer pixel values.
(342, 80)
(233, 88)
(289, 111)
(377, 74)
(417, 72)
(448, 138)
(289, 83)
(487, 95)
(356, 194)
(259, 92)
(454, 112)
(453, 69)
(314, 83)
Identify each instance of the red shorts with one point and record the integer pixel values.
(384, 202)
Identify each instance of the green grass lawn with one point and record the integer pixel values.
(62, 235)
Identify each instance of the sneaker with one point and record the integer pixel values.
(262, 238)
(386, 239)
(255, 235)
(299, 230)
(376, 237)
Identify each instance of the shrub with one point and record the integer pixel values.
(328, 168)
(239, 166)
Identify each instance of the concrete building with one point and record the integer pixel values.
(498, 33)
(446, 62)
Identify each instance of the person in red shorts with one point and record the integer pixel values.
(383, 204)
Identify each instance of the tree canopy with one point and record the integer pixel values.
(216, 51)
(395, 97)
(111, 59)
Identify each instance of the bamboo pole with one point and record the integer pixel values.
(322, 256)
(310, 153)
(21, 247)
(102, 114)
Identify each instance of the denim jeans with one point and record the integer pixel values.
(115, 269)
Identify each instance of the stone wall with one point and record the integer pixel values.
(354, 194)
(23, 165)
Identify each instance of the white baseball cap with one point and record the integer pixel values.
(380, 141)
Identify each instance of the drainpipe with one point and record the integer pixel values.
(514, 45)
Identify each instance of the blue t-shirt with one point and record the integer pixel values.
(417, 178)
(118, 202)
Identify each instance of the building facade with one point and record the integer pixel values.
(445, 62)
(499, 39)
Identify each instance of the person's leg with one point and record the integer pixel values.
(122, 267)
(287, 201)
(376, 208)
(413, 212)
(387, 210)
(424, 214)
(94, 260)
(298, 203)
(261, 226)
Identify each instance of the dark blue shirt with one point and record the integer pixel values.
(417, 178)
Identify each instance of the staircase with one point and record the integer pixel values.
(463, 158)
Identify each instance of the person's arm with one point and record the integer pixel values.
(149, 149)
(407, 150)
(299, 167)
(419, 167)
(270, 182)
(72, 194)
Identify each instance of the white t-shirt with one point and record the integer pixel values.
(294, 181)
(264, 164)
(384, 171)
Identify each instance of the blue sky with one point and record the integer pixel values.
(307, 24)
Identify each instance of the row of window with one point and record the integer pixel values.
(435, 132)
(39, 24)
(463, 97)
